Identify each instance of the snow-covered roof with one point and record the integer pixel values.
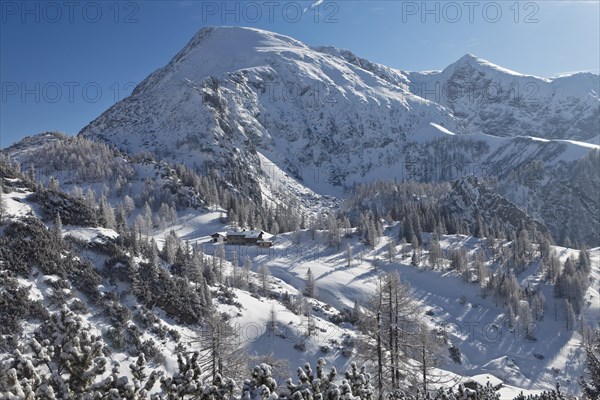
(253, 234)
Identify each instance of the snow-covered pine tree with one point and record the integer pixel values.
(333, 231)
(415, 259)
(348, 255)
(311, 386)
(569, 315)
(310, 290)
(116, 386)
(359, 382)
(538, 306)
(106, 213)
(20, 377)
(187, 382)
(128, 205)
(53, 184)
(172, 244)
(219, 259)
(403, 247)
(263, 276)
(142, 381)
(73, 355)
(590, 385)
(391, 250)
(435, 252)
(90, 199)
(261, 386)
(583, 263)
(57, 228)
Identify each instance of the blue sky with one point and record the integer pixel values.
(64, 63)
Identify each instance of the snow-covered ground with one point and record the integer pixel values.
(16, 205)
(476, 324)
(490, 350)
(97, 234)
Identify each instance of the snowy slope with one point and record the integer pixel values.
(477, 327)
(474, 323)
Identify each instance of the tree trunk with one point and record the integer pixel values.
(424, 370)
(391, 334)
(379, 358)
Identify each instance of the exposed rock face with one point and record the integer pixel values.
(473, 200)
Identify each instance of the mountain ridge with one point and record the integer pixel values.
(330, 119)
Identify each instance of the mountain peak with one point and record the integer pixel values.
(213, 51)
(472, 61)
(236, 40)
(243, 33)
(471, 57)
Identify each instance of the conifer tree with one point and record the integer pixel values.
(261, 386)
(415, 259)
(333, 231)
(435, 253)
(427, 351)
(75, 356)
(388, 338)
(391, 250)
(348, 255)
(591, 384)
(57, 228)
(53, 184)
(263, 276)
(310, 290)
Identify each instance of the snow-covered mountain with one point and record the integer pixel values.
(281, 112)
(498, 101)
(234, 92)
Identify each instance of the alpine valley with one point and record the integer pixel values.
(258, 205)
